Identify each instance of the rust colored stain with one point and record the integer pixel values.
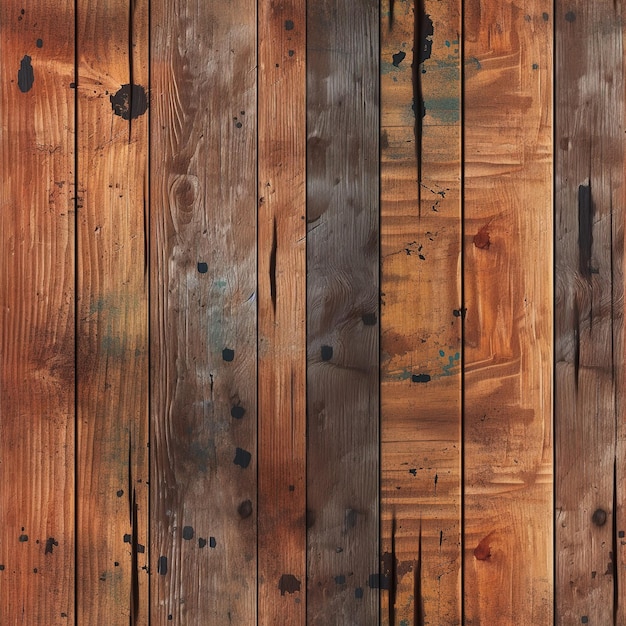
(482, 551)
(481, 238)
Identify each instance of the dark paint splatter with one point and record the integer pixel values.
(25, 75)
(546, 17)
(340, 580)
(129, 101)
(584, 619)
(203, 268)
(50, 544)
(423, 31)
(599, 517)
(351, 519)
(228, 354)
(288, 583)
(291, 52)
(420, 378)
(570, 16)
(119, 493)
(141, 548)
(127, 538)
(1, 568)
(327, 353)
(289, 25)
(413, 471)
(245, 509)
(201, 542)
(72, 85)
(23, 538)
(40, 43)
(188, 533)
(398, 57)
(377, 581)
(585, 230)
(213, 542)
(310, 518)
(242, 458)
(358, 593)
(369, 319)
(459, 312)
(621, 534)
(237, 412)
(292, 487)
(162, 565)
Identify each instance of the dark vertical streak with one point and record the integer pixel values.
(393, 575)
(615, 549)
(417, 584)
(131, 71)
(273, 266)
(391, 13)
(576, 331)
(585, 232)
(134, 566)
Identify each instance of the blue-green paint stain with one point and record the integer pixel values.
(446, 110)
(442, 353)
(220, 283)
(404, 623)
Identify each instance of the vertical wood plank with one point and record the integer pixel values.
(590, 553)
(112, 466)
(282, 313)
(203, 312)
(508, 324)
(37, 313)
(342, 271)
(421, 312)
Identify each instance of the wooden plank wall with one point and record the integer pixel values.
(306, 306)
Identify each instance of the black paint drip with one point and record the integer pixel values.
(242, 458)
(129, 102)
(288, 583)
(25, 75)
(585, 230)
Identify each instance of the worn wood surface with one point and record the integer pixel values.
(36, 313)
(282, 313)
(421, 312)
(203, 319)
(342, 311)
(589, 144)
(508, 325)
(112, 365)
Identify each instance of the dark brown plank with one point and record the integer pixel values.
(590, 487)
(203, 312)
(508, 538)
(343, 311)
(112, 463)
(36, 312)
(282, 313)
(421, 311)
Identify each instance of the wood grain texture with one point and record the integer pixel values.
(37, 313)
(343, 311)
(590, 553)
(508, 326)
(421, 312)
(203, 312)
(282, 313)
(112, 393)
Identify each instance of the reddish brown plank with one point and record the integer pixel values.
(508, 571)
(343, 294)
(203, 312)
(590, 487)
(421, 312)
(282, 310)
(112, 464)
(37, 313)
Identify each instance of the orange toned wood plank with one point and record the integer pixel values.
(112, 468)
(37, 313)
(590, 487)
(282, 313)
(421, 312)
(203, 312)
(508, 327)
(343, 293)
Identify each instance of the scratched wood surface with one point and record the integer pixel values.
(421, 312)
(112, 316)
(203, 320)
(589, 549)
(37, 313)
(508, 559)
(282, 313)
(342, 311)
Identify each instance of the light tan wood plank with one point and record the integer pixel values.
(508, 327)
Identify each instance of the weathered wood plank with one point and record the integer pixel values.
(203, 312)
(37, 312)
(590, 554)
(282, 313)
(342, 271)
(112, 393)
(508, 325)
(421, 312)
